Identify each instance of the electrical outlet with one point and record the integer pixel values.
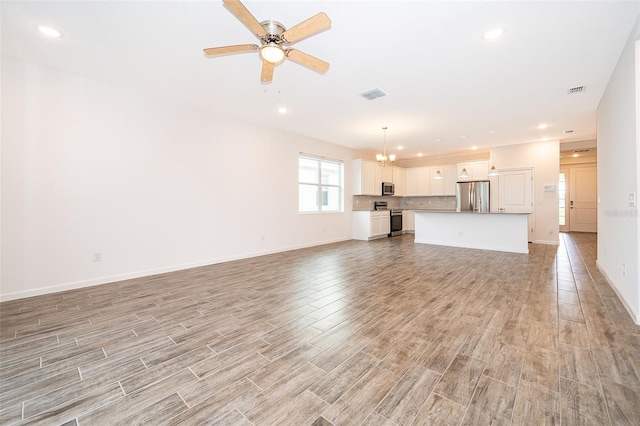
(632, 199)
(624, 269)
(261, 237)
(97, 257)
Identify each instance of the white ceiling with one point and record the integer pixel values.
(443, 81)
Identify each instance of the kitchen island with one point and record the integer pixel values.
(488, 231)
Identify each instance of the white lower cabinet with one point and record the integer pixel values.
(408, 221)
(371, 224)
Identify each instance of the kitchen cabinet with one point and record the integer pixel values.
(400, 181)
(418, 181)
(446, 185)
(421, 181)
(477, 170)
(411, 188)
(366, 178)
(408, 221)
(370, 224)
(387, 173)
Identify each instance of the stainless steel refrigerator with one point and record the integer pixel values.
(472, 196)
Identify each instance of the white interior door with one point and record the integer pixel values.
(515, 191)
(583, 199)
(515, 194)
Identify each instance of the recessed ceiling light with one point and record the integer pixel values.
(474, 147)
(49, 31)
(282, 110)
(546, 138)
(419, 154)
(463, 136)
(543, 126)
(400, 147)
(576, 155)
(493, 34)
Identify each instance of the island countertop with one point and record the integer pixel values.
(500, 231)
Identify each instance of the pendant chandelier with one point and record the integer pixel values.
(384, 159)
(438, 174)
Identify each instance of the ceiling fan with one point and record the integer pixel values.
(275, 40)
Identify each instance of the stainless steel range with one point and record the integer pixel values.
(396, 223)
(395, 217)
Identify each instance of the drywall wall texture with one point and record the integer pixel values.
(101, 183)
(618, 161)
(543, 158)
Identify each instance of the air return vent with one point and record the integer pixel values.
(373, 94)
(580, 151)
(576, 89)
(566, 132)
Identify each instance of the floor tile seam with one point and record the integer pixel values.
(5, 400)
(71, 401)
(346, 391)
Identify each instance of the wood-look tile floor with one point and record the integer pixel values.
(385, 332)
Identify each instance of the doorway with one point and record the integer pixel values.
(578, 200)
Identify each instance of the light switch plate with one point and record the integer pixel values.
(632, 199)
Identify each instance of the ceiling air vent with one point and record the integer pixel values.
(373, 94)
(566, 132)
(576, 89)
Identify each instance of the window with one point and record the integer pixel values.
(562, 194)
(320, 185)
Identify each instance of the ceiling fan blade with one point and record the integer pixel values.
(308, 61)
(243, 14)
(306, 28)
(267, 72)
(211, 51)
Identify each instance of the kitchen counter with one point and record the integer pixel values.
(487, 231)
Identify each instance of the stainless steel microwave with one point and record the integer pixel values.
(387, 188)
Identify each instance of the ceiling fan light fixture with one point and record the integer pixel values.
(272, 53)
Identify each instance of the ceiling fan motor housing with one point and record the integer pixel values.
(274, 31)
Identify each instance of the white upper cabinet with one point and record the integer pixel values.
(421, 181)
(400, 181)
(366, 177)
(387, 173)
(446, 185)
(477, 170)
(412, 181)
(424, 181)
(417, 179)
(450, 179)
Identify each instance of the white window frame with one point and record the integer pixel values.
(321, 186)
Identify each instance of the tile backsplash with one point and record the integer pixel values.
(365, 202)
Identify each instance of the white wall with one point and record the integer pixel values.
(151, 185)
(543, 158)
(618, 162)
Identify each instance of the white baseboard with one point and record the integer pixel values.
(138, 274)
(634, 315)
